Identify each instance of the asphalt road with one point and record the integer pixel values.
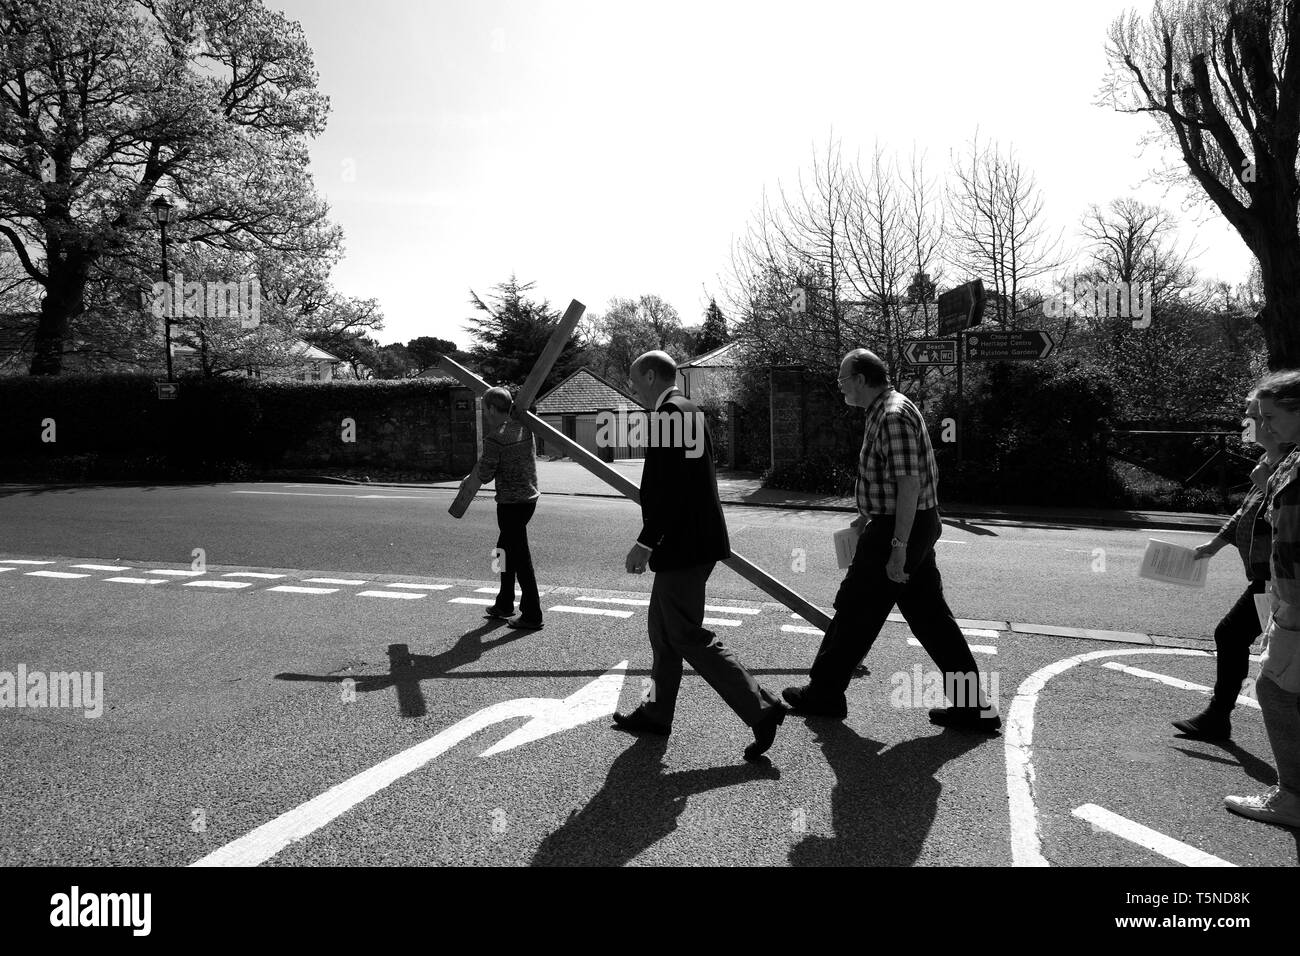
(228, 711)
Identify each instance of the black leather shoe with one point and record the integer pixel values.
(802, 701)
(965, 718)
(521, 623)
(638, 723)
(765, 732)
(497, 614)
(1209, 724)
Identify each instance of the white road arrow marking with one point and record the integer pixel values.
(550, 716)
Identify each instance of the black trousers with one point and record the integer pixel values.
(1232, 640)
(676, 622)
(867, 596)
(513, 520)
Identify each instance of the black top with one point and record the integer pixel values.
(680, 510)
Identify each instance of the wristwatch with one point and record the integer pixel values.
(895, 543)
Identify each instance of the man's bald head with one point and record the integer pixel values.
(661, 363)
(868, 364)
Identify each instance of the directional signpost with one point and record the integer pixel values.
(1023, 346)
(930, 352)
(960, 309)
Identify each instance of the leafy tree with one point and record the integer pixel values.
(106, 103)
(426, 350)
(512, 333)
(713, 334)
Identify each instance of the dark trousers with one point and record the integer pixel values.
(513, 520)
(676, 632)
(867, 596)
(1232, 640)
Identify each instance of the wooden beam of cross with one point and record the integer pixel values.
(741, 565)
(524, 399)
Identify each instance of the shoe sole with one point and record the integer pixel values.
(1265, 817)
(805, 712)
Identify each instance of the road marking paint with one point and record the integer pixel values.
(331, 581)
(53, 574)
(518, 593)
(796, 629)
(21, 561)
(179, 574)
(392, 594)
(100, 567)
(221, 585)
(946, 541)
(291, 589)
(730, 610)
(638, 603)
(254, 574)
(8, 569)
(1172, 531)
(1026, 844)
(1147, 838)
(607, 612)
(974, 648)
(483, 601)
(549, 716)
(721, 621)
(421, 587)
(1242, 700)
(320, 494)
(136, 580)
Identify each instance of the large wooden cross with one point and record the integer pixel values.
(470, 486)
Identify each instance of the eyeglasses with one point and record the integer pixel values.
(845, 378)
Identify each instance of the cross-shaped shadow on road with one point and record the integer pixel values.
(406, 670)
(636, 807)
(882, 804)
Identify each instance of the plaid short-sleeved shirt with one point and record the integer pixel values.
(895, 444)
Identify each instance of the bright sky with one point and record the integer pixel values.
(613, 148)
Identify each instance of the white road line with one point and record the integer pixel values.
(946, 541)
(974, 648)
(53, 574)
(8, 569)
(1242, 700)
(617, 601)
(421, 587)
(607, 612)
(220, 585)
(1026, 844)
(179, 574)
(316, 494)
(979, 632)
(21, 561)
(254, 574)
(796, 629)
(518, 593)
(100, 567)
(731, 610)
(722, 621)
(1171, 531)
(331, 581)
(1147, 838)
(291, 589)
(483, 601)
(136, 580)
(392, 594)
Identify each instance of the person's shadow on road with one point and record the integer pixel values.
(406, 670)
(882, 804)
(636, 807)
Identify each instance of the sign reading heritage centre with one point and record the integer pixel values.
(1023, 346)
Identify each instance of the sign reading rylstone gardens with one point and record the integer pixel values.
(1022, 346)
(961, 308)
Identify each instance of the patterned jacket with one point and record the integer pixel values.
(509, 458)
(1284, 517)
(1251, 533)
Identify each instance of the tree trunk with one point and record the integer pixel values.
(1280, 317)
(64, 300)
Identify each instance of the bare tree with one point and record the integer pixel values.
(997, 226)
(1222, 80)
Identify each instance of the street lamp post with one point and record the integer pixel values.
(163, 212)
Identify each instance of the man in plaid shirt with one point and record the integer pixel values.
(898, 524)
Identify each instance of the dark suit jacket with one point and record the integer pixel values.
(680, 510)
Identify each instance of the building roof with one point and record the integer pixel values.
(583, 391)
(721, 357)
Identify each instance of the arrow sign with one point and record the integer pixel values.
(1022, 346)
(549, 716)
(930, 352)
(961, 308)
